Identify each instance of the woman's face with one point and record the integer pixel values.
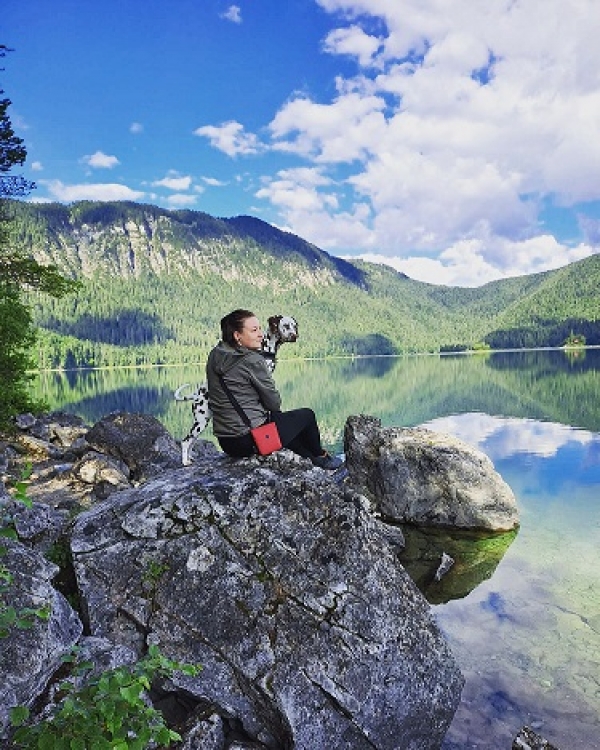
(251, 334)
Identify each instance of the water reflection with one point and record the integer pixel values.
(520, 611)
(476, 557)
(407, 391)
(555, 452)
(528, 637)
(369, 367)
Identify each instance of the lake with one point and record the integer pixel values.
(521, 610)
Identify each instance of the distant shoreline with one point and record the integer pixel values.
(469, 352)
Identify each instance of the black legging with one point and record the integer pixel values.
(298, 430)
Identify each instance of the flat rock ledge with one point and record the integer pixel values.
(427, 478)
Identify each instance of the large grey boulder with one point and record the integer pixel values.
(30, 656)
(286, 588)
(138, 440)
(427, 478)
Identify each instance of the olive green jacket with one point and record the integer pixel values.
(248, 378)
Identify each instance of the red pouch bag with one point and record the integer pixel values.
(266, 438)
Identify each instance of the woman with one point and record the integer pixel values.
(237, 360)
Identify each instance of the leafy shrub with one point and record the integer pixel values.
(111, 711)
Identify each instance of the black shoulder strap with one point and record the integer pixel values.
(235, 403)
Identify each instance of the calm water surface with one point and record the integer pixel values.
(521, 611)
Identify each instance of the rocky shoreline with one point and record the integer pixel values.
(280, 579)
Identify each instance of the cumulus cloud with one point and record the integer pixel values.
(473, 262)
(136, 128)
(174, 181)
(37, 166)
(100, 160)
(233, 14)
(353, 41)
(454, 131)
(213, 182)
(91, 191)
(181, 199)
(230, 138)
(348, 129)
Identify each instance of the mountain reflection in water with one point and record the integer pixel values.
(521, 610)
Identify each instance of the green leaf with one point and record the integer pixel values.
(19, 715)
(48, 742)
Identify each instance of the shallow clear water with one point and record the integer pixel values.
(528, 639)
(521, 611)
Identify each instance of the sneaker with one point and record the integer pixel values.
(327, 461)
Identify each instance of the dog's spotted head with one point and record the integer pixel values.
(284, 328)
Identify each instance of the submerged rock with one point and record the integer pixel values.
(527, 739)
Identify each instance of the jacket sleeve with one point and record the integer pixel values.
(262, 380)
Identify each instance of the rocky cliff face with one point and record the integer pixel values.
(130, 240)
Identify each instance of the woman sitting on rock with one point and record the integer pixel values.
(237, 360)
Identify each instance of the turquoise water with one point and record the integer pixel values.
(521, 611)
(528, 639)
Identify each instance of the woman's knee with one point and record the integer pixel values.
(306, 414)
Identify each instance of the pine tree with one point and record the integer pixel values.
(18, 273)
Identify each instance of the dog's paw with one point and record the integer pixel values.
(186, 453)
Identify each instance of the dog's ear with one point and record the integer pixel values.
(273, 323)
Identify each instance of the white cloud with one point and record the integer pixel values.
(37, 166)
(350, 128)
(174, 181)
(352, 41)
(233, 13)
(213, 182)
(473, 263)
(181, 199)
(456, 131)
(94, 191)
(100, 160)
(298, 193)
(136, 128)
(230, 138)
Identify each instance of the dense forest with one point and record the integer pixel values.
(156, 282)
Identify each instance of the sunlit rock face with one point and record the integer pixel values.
(284, 586)
(427, 478)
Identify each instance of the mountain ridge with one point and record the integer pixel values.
(173, 274)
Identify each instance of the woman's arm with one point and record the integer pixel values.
(262, 380)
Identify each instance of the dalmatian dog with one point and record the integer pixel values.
(281, 329)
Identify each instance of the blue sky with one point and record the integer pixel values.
(456, 140)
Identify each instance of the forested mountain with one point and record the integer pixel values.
(156, 283)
